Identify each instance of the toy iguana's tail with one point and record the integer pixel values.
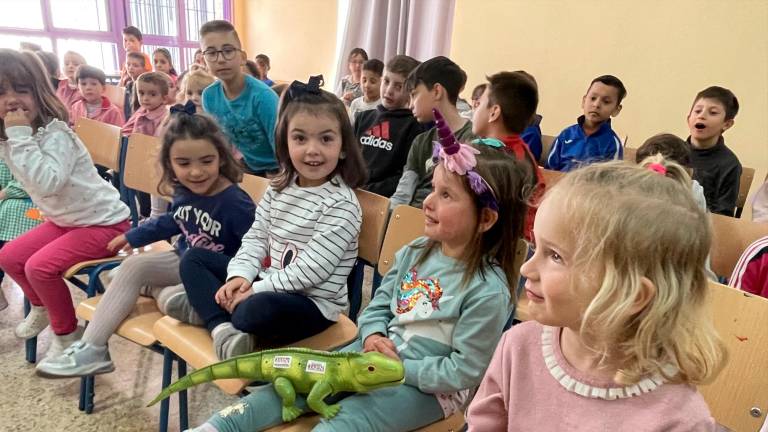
(245, 366)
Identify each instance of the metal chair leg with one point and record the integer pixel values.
(31, 343)
(81, 404)
(165, 403)
(89, 393)
(183, 412)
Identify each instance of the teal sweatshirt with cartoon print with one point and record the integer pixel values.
(444, 332)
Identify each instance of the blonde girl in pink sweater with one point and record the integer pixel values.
(617, 290)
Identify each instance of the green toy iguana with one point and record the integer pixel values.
(300, 370)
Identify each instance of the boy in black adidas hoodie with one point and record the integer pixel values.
(386, 132)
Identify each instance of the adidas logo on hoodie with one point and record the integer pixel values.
(377, 136)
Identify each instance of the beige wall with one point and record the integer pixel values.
(663, 51)
(299, 36)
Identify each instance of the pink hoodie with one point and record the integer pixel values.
(107, 113)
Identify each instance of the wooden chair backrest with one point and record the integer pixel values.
(375, 213)
(546, 147)
(745, 182)
(629, 154)
(254, 186)
(730, 237)
(405, 225)
(142, 165)
(115, 94)
(741, 319)
(102, 141)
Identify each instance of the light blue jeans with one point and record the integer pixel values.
(401, 408)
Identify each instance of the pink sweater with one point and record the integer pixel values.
(145, 122)
(520, 393)
(107, 113)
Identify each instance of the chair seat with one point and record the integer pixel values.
(195, 345)
(160, 246)
(137, 327)
(454, 423)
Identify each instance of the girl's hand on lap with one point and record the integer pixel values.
(225, 294)
(17, 117)
(237, 298)
(118, 243)
(382, 344)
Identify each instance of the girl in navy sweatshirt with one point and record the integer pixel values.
(209, 211)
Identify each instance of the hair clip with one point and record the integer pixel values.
(659, 168)
(188, 108)
(298, 88)
(490, 142)
(460, 159)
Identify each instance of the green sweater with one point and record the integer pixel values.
(416, 182)
(13, 219)
(444, 332)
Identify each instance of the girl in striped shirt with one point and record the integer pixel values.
(307, 224)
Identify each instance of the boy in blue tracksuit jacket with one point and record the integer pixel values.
(532, 136)
(591, 139)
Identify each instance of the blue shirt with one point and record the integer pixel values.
(532, 136)
(574, 148)
(215, 222)
(248, 120)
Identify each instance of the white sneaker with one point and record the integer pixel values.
(62, 342)
(80, 359)
(33, 324)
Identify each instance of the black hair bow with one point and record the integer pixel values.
(298, 88)
(188, 108)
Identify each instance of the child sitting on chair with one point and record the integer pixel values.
(209, 212)
(621, 333)
(307, 224)
(591, 139)
(82, 212)
(94, 105)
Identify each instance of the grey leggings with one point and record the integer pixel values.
(154, 274)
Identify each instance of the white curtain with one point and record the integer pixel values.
(385, 28)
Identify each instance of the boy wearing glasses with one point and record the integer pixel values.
(245, 107)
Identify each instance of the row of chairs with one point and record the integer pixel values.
(745, 182)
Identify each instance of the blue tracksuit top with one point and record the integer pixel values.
(573, 148)
(532, 136)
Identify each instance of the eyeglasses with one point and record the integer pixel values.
(228, 53)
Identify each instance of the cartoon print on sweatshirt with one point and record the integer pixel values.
(417, 300)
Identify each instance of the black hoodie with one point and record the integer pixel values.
(385, 137)
(718, 171)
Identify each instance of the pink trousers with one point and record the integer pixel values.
(38, 259)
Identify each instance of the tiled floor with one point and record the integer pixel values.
(31, 403)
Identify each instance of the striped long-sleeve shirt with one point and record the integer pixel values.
(311, 236)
